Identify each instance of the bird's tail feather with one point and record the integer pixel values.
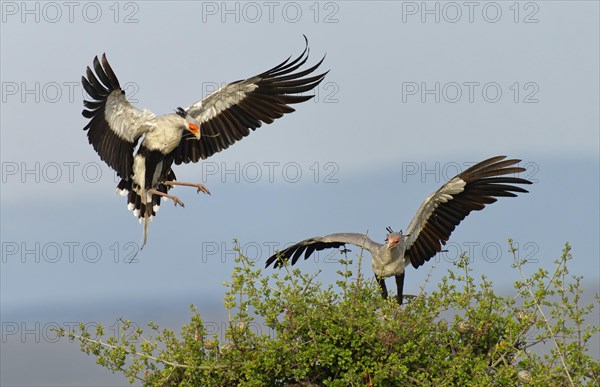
(147, 219)
(144, 206)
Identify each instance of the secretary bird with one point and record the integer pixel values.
(187, 135)
(431, 226)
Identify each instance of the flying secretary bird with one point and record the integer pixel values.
(431, 226)
(188, 135)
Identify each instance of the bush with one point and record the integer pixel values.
(462, 333)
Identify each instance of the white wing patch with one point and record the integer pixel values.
(222, 99)
(124, 119)
(443, 195)
(454, 186)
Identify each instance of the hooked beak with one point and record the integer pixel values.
(194, 129)
(394, 242)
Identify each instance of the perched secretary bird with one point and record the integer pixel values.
(188, 135)
(431, 227)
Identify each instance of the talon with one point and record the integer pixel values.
(203, 189)
(175, 199)
(199, 187)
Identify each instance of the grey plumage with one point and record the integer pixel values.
(187, 135)
(431, 226)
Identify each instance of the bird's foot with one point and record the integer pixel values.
(199, 187)
(202, 188)
(174, 198)
(176, 201)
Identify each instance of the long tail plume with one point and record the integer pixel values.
(145, 240)
(147, 216)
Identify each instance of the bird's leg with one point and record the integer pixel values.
(175, 199)
(200, 187)
(381, 282)
(400, 287)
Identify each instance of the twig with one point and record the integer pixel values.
(130, 352)
(546, 321)
(309, 281)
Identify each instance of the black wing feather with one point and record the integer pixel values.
(275, 90)
(114, 150)
(485, 182)
(294, 252)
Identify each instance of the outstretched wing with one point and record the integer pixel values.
(308, 246)
(228, 114)
(469, 191)
(115, 124)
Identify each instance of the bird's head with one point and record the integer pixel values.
(192, 124)
(392, 239)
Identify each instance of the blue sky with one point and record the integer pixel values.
(409, 102)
